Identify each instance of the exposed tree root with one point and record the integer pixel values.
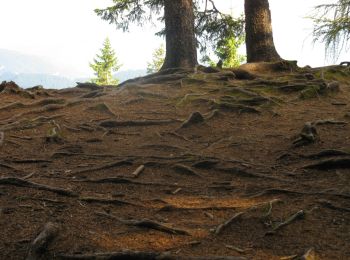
(41, 242)
(334, 163)
(236, 108)
(88, 86)
(206, 164)
(345, 63)
(241, 172)
(120, 180)
(9, 167)
(327, 153)
(14, 105)
(29, 161)
(105, 167)
(180, 168)
(275, 191)
(24, 183)
(329, 122)
(179, 136)
(29, 123)
(330, 205)
(299, 215)
(41, 103)
(137, 255)
(169, 208)
(146, 223)
(93, 94)
(163, 147)
(113, 124)
(117, 202)
(158, 77)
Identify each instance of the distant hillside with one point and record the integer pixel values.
(15, 62)
(26, 80)
(28, 71)
(129, 74)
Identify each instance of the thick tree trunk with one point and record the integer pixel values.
(259, 38)
(181, 48)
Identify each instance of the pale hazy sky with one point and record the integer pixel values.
(69, 33)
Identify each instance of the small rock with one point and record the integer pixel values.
(333, 86)
(195, 118)
(308, 135)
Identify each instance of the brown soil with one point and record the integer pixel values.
(235, 155)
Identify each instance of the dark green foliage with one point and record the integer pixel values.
(210, 25)
(332, 26)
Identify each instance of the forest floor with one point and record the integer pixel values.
(225, 164)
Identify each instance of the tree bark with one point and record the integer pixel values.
(181, 51)
(259, 37)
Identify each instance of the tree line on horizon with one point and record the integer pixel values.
(198, 24)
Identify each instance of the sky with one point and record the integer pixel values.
(69, 33)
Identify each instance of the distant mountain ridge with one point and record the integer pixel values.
(28, 71)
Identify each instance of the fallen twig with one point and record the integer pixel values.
(137, 255)
(299, 215)
(309, 255)
(176, 191)
(238, 215)
(237, 249)
(222, 226)
(137, 172)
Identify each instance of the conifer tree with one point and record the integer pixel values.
(157, 62)
(104, 64)
(183, 20)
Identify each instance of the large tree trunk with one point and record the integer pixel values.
(259, 38)
(181, 48)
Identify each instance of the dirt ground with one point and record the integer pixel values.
(199, 165)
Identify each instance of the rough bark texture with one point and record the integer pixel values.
(180, 37)
(259, 38)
